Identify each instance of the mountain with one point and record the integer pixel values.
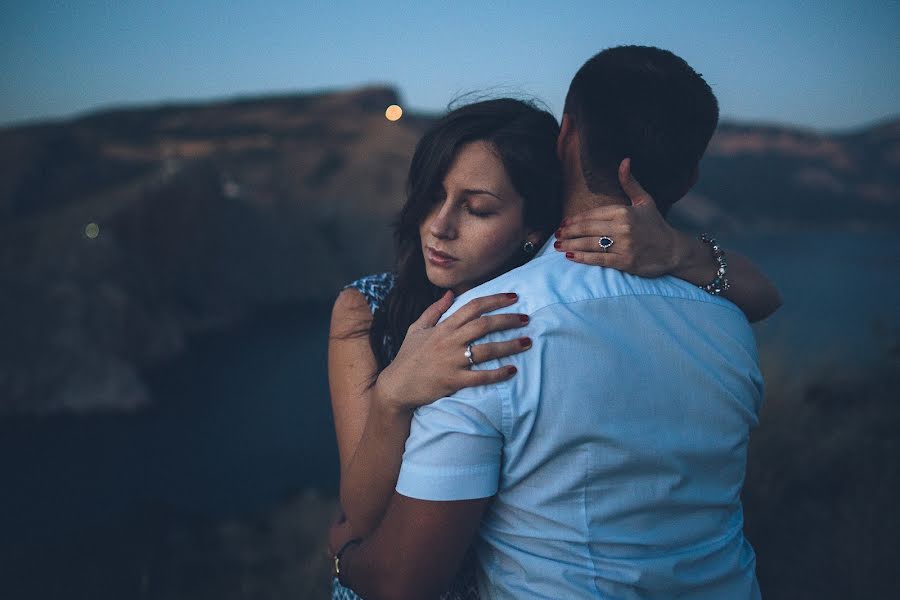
(124, 232)
(777, 178)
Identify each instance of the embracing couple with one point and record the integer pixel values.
(550, 396)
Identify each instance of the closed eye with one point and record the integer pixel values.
(483, 206)
(480, 213)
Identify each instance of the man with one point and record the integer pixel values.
(612, 465)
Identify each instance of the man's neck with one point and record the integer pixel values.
(582, 200)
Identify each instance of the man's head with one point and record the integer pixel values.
(647, 104)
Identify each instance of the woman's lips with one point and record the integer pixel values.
(439, 259)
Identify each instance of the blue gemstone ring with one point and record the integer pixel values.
(605, 242)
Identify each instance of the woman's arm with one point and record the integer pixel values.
(646, 245)
(370, 435)
(351, 369)
(372, 421)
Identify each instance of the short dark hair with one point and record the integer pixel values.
(647, 104)
(524, 138)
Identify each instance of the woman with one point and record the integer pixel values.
(484, 192)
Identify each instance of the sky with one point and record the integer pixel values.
(827, 64)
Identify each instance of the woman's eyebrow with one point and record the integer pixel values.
(473, 191)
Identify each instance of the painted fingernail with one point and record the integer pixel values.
(564, 222)
(525, 342)
(523, 318)
(570, 255)
(558, 232)
(511, 370)
(557, 244)
(512, 295)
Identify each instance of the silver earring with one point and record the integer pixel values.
(528, 247)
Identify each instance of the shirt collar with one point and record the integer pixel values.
(547, 248)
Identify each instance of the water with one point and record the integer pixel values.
(244, 419)
(841, 295)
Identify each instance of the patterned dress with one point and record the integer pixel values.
(375, 289)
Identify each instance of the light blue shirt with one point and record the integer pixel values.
(616, 453)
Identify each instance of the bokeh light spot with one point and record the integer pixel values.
(393, 113)
(92, 230)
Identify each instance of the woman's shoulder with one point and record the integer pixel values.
(374, 288)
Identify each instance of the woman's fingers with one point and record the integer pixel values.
(478, 306)
(478, 328)
(582, 244)
(485, 352)
(621, 245)
(475, 378)
(583, 229)
(598, 259)
(431, 315)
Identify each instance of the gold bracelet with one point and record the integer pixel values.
(340, 553)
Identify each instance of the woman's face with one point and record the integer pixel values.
(476, 225)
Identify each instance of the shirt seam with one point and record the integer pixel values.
(680, 295)
(618, 296)
(505, 394)
(449, 470)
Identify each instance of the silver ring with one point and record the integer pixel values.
(468, 355)
(605, 242)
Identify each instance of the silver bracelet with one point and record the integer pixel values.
(720, 283)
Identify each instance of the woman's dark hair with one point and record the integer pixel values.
(524, 138)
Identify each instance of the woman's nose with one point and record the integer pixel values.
(442, 224)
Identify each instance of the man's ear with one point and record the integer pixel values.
(565, 130)
(695, 176)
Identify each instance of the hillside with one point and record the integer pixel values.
(206, 214)
(776, 178)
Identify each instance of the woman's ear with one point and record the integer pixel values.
(537, 238)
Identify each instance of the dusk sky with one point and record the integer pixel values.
(823, 64)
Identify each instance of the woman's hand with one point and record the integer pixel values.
(432, 362)
(643, 242)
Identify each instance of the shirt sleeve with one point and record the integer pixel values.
(454, 447)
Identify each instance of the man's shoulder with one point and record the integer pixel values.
(551, 279)
(529, 281)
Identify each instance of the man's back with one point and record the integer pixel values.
(617, 452)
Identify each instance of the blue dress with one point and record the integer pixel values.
(375, 289)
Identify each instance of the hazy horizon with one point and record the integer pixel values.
(271, 94)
